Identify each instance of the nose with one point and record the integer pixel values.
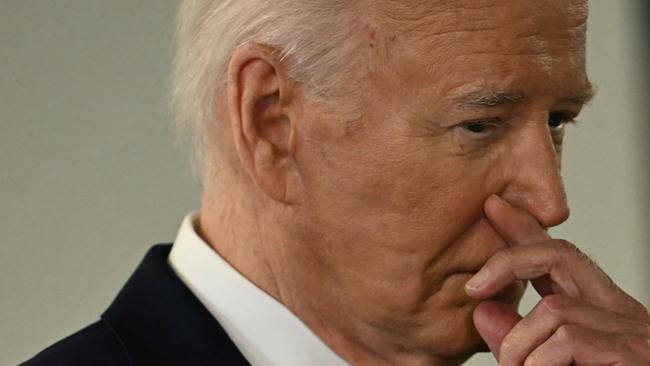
(535, 183)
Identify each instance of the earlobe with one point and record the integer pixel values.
(259, 101)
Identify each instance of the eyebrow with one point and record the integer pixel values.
(495, 98)
(487, 98)
(584, 96)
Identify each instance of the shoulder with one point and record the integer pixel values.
(94, 345)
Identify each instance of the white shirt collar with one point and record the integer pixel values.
(264, 330)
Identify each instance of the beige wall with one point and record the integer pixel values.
(89, 178)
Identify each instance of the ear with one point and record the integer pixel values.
(263, 114)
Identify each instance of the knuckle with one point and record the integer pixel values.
(534, 359)
(507, 347)
(502, 258)
(639, 345)
(643, 329)
(555, 304)
(566, 249)
(566, 334)
(644, 314)
(635, 308)
(569, 253)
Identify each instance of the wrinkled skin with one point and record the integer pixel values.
(366, 217)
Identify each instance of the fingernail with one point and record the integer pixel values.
(478, 280)
(499, 199)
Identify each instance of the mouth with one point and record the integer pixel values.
(511, 295)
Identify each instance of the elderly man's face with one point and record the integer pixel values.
(463, 101)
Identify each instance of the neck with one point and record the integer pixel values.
(247, 236)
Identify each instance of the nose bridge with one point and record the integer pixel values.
(536, 183)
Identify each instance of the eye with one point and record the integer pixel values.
(557, 120)
(479, 128)
(476, 127)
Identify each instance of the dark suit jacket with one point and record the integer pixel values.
(154, 320)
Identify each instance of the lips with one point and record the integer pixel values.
(511, 294)
(469, 268)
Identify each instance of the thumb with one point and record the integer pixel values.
(494, 320)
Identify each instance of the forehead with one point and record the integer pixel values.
(428, 18)
(512, 43)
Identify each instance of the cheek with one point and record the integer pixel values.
(383, 211)
(433, 196)
(402, 198)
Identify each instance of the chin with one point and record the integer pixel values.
(452, 333)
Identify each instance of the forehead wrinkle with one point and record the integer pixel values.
(453, 21)
(425, 19)
(405, 11)
(442, 29)
(459, 39)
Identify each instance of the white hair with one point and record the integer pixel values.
(312, 34)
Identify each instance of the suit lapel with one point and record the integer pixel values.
(160, 322)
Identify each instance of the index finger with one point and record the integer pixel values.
(518, 228)
(514, 225)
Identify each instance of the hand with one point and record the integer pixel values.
(583, 318)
